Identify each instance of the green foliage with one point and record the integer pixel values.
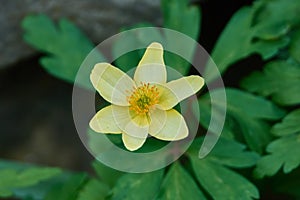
(237, 42)
(289, 125)
(178, 184)
(128, 60)
(65, 45)
(233, 154)
(246, 114)
(283, 150)
(106, 174)
(263, 28)
(26, 181)
(276, 17)
(137, 186)
(294, 49)
(69, 189)
(38, 190)
(218, 180)
(94, 190)
(279, 79)
(282, 154)
(12, 179)
(178, 16)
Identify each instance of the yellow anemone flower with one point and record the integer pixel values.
(142, 105)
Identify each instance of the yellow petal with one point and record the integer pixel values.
(167, 99)
(158, 119)
(175, 127)
(134, 125)
(151, 68)
(103, 121)
(186, 86)
(132, 143)
(112, 84)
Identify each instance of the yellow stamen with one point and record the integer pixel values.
(143, 98)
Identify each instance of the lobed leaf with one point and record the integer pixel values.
(137, 186)
(214, 176)
(227, 152)
(273, 19)
(282, 150)
(219, 181)
(178, 184)
(262, 28)
(232, 154)
(65, 45)
(282, 154)
(279, 79)
(178, 16)
(237, 41)
(246, 115)
(222, 183)
(129, 60)
(38, 190)
(184, 18)
(93, 190)
(106, 174)
(69, 189)
(294, 49)
(14, 179)
(289, 125)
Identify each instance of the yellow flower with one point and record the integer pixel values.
(142, 105)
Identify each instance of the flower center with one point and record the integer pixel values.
(143, 98)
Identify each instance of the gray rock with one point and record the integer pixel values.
(98, 19)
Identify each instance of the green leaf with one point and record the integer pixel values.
(65, 45)
(246, 114)
(249, 104)
(282, 154)
(237, 42)
(180, 16)
(137, 186)
(178, 184)
(212, 173)
(228, 152)
(205, 118)
(221, 182)
(273, 18)
(128, 60)
(38, 190)
(12, 179)
(68, 190)
(295, 46)
(106, 174)
(93, 190)
(289, 125)
(279, 79)
(282, 151)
